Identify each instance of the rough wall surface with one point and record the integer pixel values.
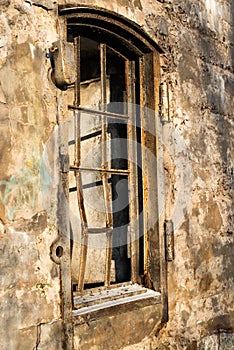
(197, 66)
(29, 279)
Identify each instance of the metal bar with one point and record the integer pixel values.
(103, 75)
(101, 170)
(99, 113)
(78, 176)
(98, 230)
(77, 138)
(132, 166)
(77, 82)
(143, 102)
(77, 103)
(84, 236)
(106, 190)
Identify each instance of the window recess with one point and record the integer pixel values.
(102, 101)
(112, 113)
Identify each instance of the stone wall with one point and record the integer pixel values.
(197, 68)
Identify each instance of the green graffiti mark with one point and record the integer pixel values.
(20, 191)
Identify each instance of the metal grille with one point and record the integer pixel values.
(129, 118)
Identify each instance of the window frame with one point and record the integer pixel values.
(149, 67)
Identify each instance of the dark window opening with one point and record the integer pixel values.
(99, 102)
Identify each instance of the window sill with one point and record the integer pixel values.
(116, 317)
(112, 301)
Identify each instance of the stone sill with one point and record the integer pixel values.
(103, 303)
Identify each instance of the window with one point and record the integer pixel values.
(112, 145)
(103, 166)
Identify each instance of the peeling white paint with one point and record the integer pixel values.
(32, 49)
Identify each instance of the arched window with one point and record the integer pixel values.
(112, 109)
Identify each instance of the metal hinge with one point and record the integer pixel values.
(164, 102)
(169, 240)
(64, 159)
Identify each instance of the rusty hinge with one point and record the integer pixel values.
(164, 102)
(64, 159)
(169, 240)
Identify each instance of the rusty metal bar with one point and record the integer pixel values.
(84, 236)
(77, 103)
(169, 240)
(106, 190)
(149, 98)
(99, 113)
(78, 176)
(98, 230)
(101, 170)
(143, 102)
(132, 166)
(103, 75)
(77, 82)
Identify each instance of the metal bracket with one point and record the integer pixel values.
(169, 240)
(63, 62)
(64, 159)
(164, 102)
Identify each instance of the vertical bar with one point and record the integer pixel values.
(77, 103)
(78, 176)
(143, 102)
(77, 82)
(103, 75)
(107, 193)
(132, 166)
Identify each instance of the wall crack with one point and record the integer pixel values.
(45, 5)
(38, 337)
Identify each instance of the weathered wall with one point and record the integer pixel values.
(197, 38)
(30, 303)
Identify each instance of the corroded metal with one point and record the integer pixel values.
(78, 175)
(164, 102)
(84, 234)
(63, 60)
(169, 240)
(99, 113)
(106, 190)
(101, 170)
(116, 37)
(77, 71)
(149, 90)
(132, 167)
(137, 37)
